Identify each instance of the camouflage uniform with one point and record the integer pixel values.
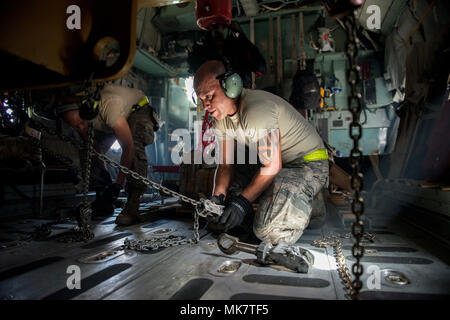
(285, 206)
(141, 126)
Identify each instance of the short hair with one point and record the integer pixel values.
(212, 68)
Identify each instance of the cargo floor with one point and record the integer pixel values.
(32, 269)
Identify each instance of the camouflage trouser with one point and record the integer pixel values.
(141, 127)
(285, 206)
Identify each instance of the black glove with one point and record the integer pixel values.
(235, 212)
(112, 192)
(220, 199)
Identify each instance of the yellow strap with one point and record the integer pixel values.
(143, 102)
(320, 154)
(96, 103)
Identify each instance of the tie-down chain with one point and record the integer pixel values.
(203, 208)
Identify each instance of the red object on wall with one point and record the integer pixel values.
(213, 12)
(364, 70)
(207, 137)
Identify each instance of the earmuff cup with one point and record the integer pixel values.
(231, 84)
(88, 110)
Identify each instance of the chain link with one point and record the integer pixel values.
(196, 226)
(59, 158)
(335, 242)
(208, 208)
(155, 243)
(82, 233)
(85, 210)
(356, 157)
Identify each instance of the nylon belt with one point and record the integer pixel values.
(136, 107)
(140, 105)
(320, 154)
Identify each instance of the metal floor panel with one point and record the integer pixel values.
(34, 270)
(29, 251)
(202, 262)
(426, 279)
(31, 284)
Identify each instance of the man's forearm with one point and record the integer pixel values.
(259, 183)
(222, 180)
(126, 160)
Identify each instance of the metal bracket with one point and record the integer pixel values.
(212, 207)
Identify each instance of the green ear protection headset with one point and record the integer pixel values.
(231, 84)
(89, 106)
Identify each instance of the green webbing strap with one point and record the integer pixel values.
(320, 154)
(141, 104)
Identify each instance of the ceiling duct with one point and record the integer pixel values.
(251, 7)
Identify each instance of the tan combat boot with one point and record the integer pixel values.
(130, 214)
